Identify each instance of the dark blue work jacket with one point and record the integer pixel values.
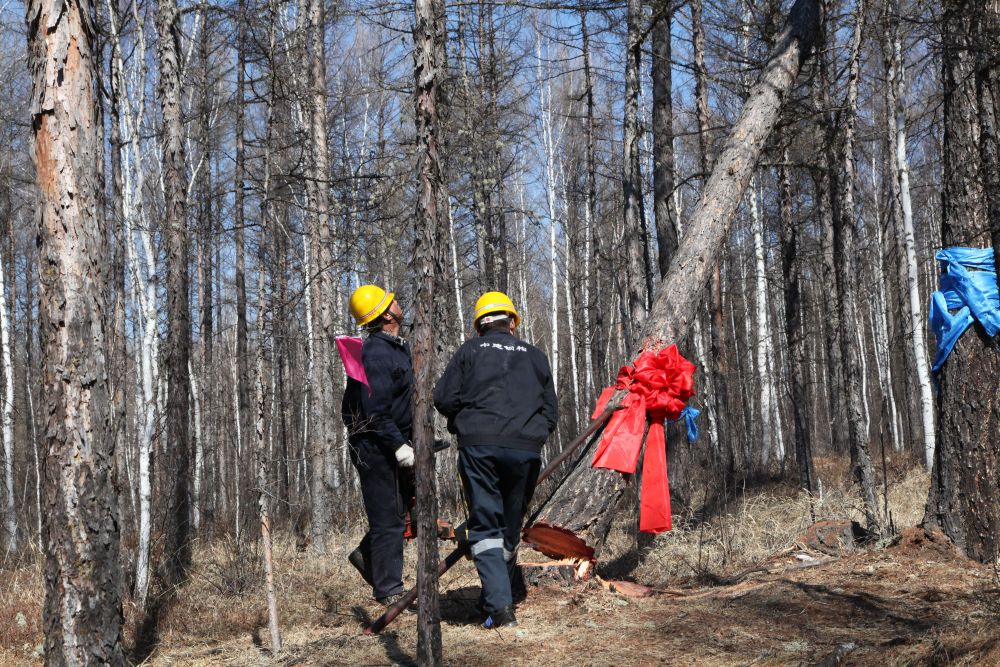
(381, 412)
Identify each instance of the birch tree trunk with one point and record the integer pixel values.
(8, 414)
(83, 610)
(903, 214)
(578, 513)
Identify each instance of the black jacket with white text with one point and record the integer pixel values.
(498, 390)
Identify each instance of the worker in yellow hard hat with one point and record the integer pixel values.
(379, 420)
(499, 397)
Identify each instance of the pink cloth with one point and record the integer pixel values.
(349, 348)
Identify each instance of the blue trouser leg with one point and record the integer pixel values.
(382, 545)
(498, 482)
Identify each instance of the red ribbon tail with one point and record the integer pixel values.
(654, 509)
(619, 449)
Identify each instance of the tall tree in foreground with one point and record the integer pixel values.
(428, 36)
(83, 609)
(177, 523)
(634, 293)
(964, 499)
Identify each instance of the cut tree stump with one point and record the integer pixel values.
(576, 518)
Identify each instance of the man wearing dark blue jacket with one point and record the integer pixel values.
(378, 419)
(498, 396)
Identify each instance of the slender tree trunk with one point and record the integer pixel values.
(261, 397)
(177, 523)
(324, 431)
(791, 266)
(663, 143)
(83, 608)
(8, 410)
(590, 216)
(843, 242)
(903, 213)
(634, 294)
(428, 35)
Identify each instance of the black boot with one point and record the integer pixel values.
(357, 559)
(503, 618)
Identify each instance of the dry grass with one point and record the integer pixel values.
(887, 601)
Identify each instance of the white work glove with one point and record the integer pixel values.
(404, 456)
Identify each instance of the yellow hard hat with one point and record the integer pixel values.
(495, 302)
(369, 302)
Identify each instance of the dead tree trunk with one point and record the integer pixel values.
(964, 501)
(83, 608)
(428, 34)
(576, 517)
(177, 523)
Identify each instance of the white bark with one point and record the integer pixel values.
(764, 373)
(198, 450)
(913, 277)
(549, 147)
(8, 416)
(131, 82)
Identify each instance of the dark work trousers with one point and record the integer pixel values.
(498, 483)
(382, 545)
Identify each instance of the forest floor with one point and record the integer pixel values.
(743, 587)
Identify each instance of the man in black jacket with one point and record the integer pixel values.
(378, 419)
(498, 395)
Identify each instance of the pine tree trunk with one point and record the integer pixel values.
(964, 499)
(663, 144)
(578, 513)
(177, 521)
(634, 287)
(83, 608)
(428, 34)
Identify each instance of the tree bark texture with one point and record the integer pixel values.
(581, 507)
(428, 34)
(83, 608)
(843, 242)
(176, 472)
(634, 293)
(964, 499)
(324, 431)
(663, 144)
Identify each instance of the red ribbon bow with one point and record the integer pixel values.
(659, 385)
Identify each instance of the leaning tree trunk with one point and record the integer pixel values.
(83, 607)
(964, 500)
(577, 516)
(177, 524)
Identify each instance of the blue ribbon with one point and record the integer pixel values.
(968, 286)
(689, 415)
